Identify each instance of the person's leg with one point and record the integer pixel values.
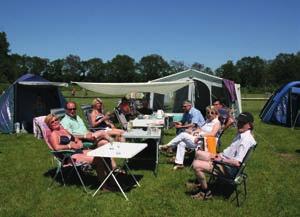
(203, 155)
(186, 142)
(175, 141)
(200, 167)
(180, 153)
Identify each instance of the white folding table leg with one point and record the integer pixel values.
(110, 174)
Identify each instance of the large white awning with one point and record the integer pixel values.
(124, 88)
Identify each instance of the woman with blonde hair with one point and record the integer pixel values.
(99, 120)
(61, 139)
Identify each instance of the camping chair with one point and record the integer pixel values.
(87, 109)
(59, 112)
(239, 178)
(122, 119)
(62, 158)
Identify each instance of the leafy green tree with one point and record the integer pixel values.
(5, 64)
(251, 71)
(94, 70)
(208, 70)
(72, 68)
(177, 66)
(121, 69)
(285, 68)
(228, 71)
(53, 72)
(152, 67)
(198, 66)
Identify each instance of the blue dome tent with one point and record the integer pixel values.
(283, 107)
(18, 101)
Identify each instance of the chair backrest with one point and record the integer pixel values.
(41, 130)
(245, 160)
(87, 109)
(121, 118)
(59, 112)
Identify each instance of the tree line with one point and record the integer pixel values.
(250, 72)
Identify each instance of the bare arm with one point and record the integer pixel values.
(226, 160)
(96, 123)
(55, 143)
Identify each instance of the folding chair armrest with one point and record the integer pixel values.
(215, 162)
(93, 129)
(66, 152)
(88, 144)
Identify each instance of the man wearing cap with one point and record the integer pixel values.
(233, 154)
(191, 118)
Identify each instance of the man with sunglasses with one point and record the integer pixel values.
(192, 118)
(75, 125)
(233, 155)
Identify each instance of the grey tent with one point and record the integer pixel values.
(18, 102)
(201, 92)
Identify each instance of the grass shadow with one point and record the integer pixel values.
(90, 179)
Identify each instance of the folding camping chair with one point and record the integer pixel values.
(122, 119)
(59, 112)
(236, 180)
(62, 158)
(87, 109)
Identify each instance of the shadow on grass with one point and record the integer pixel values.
(298, 151)
(90, 179)
(221, 190)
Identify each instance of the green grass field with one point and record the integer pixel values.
(273, 183)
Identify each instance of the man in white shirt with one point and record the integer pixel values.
(233, 154)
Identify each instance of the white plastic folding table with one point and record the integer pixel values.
(123, 150)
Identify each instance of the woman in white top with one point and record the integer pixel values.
(185, 139)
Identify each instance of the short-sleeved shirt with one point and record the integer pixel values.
(75, 126)
(239, 146)
(193, 116)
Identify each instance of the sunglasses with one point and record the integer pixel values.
(71, 109)
(53, 121)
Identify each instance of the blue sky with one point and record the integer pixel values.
(208, 32)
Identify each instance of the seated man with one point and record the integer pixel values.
(75, 125)
(192, 118)
(225, 117)
(234, 154)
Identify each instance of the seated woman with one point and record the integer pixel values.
(61, 139)
(98, 119)
(190, 139)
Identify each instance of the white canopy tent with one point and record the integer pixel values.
(124, 88)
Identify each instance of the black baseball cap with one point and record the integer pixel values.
(245, 117)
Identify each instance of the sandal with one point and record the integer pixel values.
(178, 167)
(202, 196)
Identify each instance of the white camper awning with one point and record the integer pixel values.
(124, 88)
(43, 83)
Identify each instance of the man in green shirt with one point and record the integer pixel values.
(75, 125)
